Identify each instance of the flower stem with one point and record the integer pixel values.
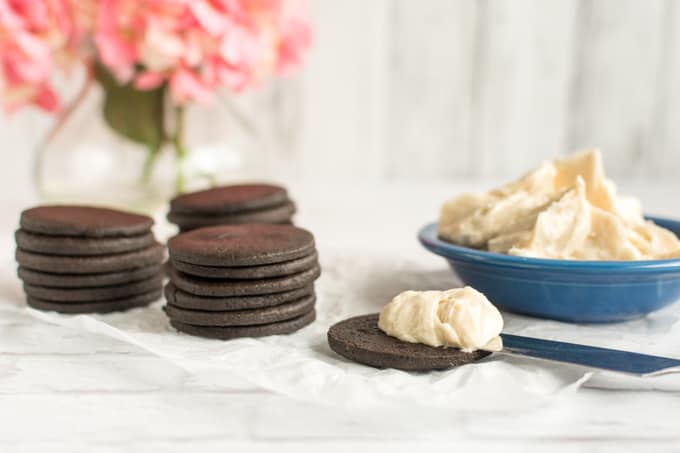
(151, 156)
(180, 150)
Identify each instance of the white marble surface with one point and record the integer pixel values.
(69, 391)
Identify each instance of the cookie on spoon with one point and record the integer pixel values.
(360, 340)
(422, 331)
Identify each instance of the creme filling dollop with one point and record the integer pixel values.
(564, 209)
(461, 318)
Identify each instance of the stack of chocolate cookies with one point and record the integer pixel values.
(229, 205)
(77, 259)
(232, 281)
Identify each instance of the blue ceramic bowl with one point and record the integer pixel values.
(565, 290)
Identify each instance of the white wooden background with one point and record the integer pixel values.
(461, 88)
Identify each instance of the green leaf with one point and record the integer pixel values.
(134, 114)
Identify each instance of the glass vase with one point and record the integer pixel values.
(82, 160)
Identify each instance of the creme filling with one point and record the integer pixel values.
(564, 209)
(461, 318)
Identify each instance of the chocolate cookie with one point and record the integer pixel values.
(230, 199)
(277, 214)
(182, 299)
(87, 280)
(241, 245)
(242, 317)
(83, 221)
(228, 288)
(263, 330)
(67, 295)
(67, 245)
(359, 339)
(249, 272)
(91, 264)
(106, 306)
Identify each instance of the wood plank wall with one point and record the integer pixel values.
(463, 88)
(442, 89)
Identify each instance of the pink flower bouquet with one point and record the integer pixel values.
(143, 52)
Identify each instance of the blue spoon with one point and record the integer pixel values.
(590, 356)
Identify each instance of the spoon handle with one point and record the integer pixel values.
(590, 356)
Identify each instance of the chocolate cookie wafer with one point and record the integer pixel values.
(79, 259)
(183, 299)
(69, 245)
(233, 281)
(83, 221)
(89, 264)
(227, 288)
(254, 316)
(98, 306)
(359, 339)
(66, 295)
(234, 204)
(87, 280)
(241, 245)
(228, 333)
(249, 272)
(277, 215)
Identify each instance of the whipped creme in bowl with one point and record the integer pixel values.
(561, 243)
(564, 209)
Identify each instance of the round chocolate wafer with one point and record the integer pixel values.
(91, 264)
(253, 317)
(182, 299)
(87, 280)
(227, 288)
(263, 330)
(276, 214)
(241, 245)
(249, 272)
(83, 221)
(230, 199)
(68, 245)
(361, 340)
(187, 229)
(67, 295)
(105, 306)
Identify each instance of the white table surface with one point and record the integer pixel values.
(68, 391)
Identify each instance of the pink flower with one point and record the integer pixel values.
(209, 16)
(186, 85)
(294, 40)
(149, 80)
(194, 46)
(117, 49)
(35, 36)
(198, 46)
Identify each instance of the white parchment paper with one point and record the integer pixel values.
(302, 365)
